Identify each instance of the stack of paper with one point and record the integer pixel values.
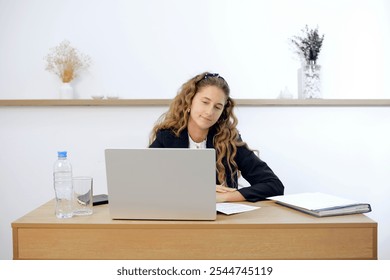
(322, 205)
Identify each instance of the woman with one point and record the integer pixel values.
(201, 116)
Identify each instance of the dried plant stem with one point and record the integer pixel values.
(308, 45)
(65, 61)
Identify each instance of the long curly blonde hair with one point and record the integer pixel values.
(226, 139)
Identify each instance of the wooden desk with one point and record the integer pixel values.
(271, 232)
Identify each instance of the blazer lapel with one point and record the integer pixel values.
(182, 141)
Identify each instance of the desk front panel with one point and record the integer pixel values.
(270, 243)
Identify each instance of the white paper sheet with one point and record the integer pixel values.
(234, 208)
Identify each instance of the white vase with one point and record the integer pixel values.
(66, 91)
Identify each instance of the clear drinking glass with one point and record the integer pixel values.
(82, 196)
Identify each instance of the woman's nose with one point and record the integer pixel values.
(209, 111)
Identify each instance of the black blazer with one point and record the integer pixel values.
(264, 183)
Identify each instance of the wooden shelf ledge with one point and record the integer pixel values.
(166, 102)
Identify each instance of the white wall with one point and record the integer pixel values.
(147, 49)
(342, 151)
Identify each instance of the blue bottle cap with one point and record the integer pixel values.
(62, 154)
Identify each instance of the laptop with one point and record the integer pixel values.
(161, 184)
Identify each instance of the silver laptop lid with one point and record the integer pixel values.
(169, 184)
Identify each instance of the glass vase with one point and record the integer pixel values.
(310, 81)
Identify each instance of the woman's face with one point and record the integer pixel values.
(206, 108)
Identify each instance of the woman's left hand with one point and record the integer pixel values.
(222, 189)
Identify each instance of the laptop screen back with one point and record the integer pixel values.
(168, 184)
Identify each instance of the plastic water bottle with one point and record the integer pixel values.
(62, 175)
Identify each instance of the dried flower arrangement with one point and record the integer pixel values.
(65, 61)
(308, 45)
